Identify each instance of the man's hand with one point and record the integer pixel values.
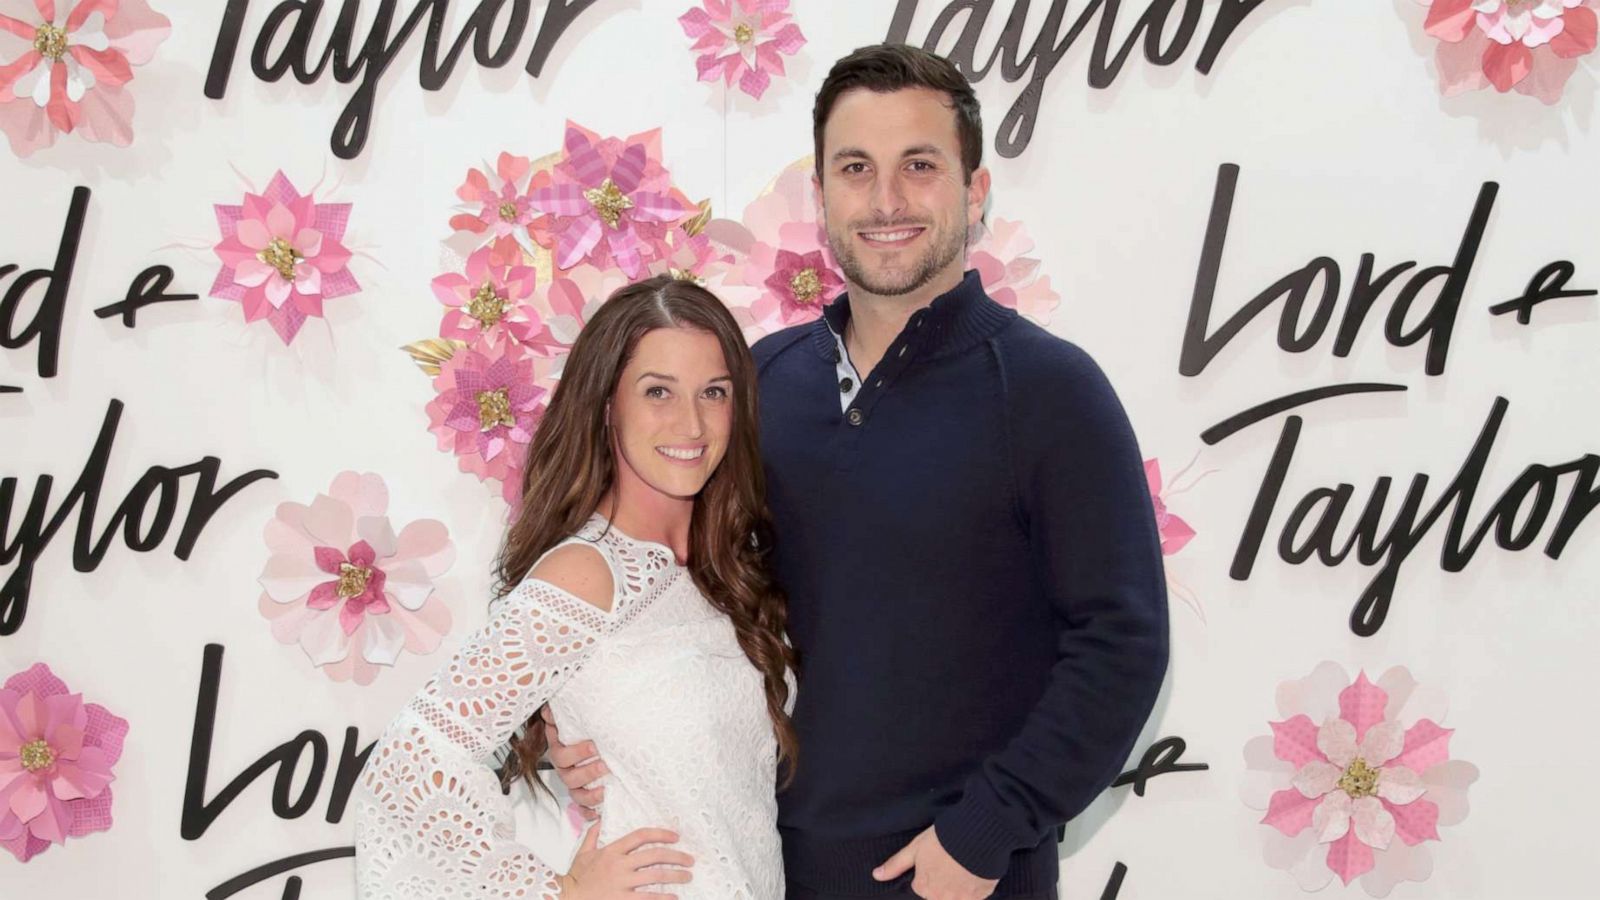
(939, 877)
(578, 765)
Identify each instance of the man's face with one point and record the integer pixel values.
(893, 198)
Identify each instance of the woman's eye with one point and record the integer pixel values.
(655, 392)
(717, 393)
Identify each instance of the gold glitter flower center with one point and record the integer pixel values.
(37, 755)
(1359, 780)
(353, 580)
(281, 256)
(743, 34)
(494, 408)
(686, 275)
(608, 202)
(487, 306)
(508, 212)
(50, 42)
(806, 286)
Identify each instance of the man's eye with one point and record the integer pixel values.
(922, 165)
(855, 168)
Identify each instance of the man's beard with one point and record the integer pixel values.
(932, 262)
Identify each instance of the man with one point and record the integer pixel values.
(963, 531)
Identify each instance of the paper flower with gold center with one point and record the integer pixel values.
(494, 202)
(491, 300)
(66, 69)
(282, 256)
(742, 41)
(487, 408)
(1356, 779)
(349, 590)
(56, 754)
(610, 202)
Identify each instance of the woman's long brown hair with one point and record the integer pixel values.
(570, 468)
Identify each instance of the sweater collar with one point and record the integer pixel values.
(956, 320)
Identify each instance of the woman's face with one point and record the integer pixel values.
(673, 410)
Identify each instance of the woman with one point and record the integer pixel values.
(633, 600)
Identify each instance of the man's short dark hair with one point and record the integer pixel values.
(882, 68)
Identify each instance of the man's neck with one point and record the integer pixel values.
(876, 320)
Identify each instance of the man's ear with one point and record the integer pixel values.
(977, 195)
(816, 188)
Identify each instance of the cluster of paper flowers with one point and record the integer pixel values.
(541, 242)
(1529, 46)
(1355, 779)
(56, 754)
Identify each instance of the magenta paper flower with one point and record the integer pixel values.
(742, 40)
(1174, 532)
(1530, 46)
(802, 283)
(487, 408)
(1000, 254)
(70, 71)
(340, 583)
(282, 257)
(56, 754)
(1355, 779)
(610, 202)
(495, 202)
(490, 301)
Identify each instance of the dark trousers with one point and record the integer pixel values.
(796, 892)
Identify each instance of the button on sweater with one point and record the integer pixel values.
(975, 591)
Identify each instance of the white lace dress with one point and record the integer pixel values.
(661, 686)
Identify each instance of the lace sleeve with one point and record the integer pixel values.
(431, 819)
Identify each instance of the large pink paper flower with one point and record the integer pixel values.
(1010, 276)
(1530, 46)
(487, 409)
(56, 754)
(1358, 794)
(490, 302)
(743, 41)
(282, 257)
(610, 203)
(75, 59)
(340, 583)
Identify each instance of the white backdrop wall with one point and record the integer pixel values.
(1332, 112)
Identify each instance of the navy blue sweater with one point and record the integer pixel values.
(975, 591)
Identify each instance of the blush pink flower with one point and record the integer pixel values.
(490, 302)
(1358, 795)
(801, 283)
(487, 409)
(1530, 46)
(344, 586)
(1010, 276)
(495, 203)
(75, 60)
(742, 41)
(1174, 532)
(610, 202)
(282, 256)
(56, 754)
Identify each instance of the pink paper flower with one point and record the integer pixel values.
(1530, 46)
(490, 302)
(802, 283)
(75, 59)
(1359, 794)
(340, 583)
(610, 202)
(56, 754)
(282, 257)
(742, 40)
(487, 408)
(1000, 254)
(496, 203)
(1174, 532)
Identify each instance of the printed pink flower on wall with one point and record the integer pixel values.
(742, 41)
(1529, 46)
(345, 587)
(610, 204)
(67, 67)
(490, 301)
(56, 754)
(282, 256)
(487, 409)
(1356, 779)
